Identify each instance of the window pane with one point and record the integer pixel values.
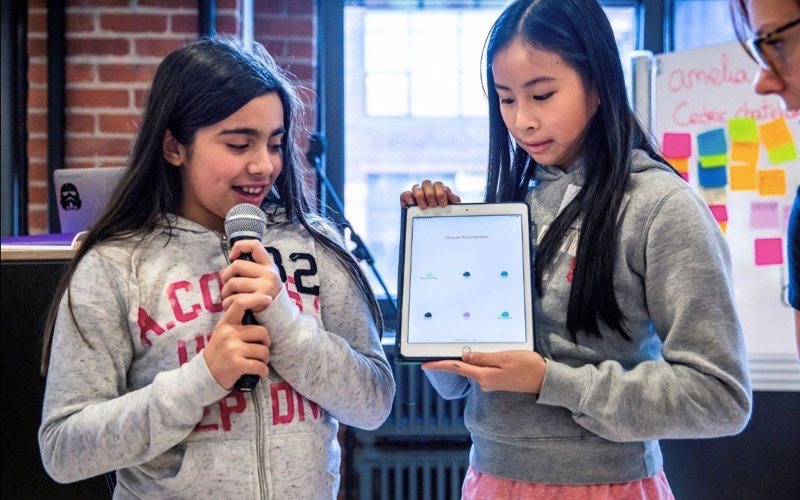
(699, 23)
(434, 40)
(387, 95)
(434, 94)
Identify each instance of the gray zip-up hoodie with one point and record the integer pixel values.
(606, 401)
(133, 395)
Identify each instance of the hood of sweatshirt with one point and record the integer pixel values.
(275, 215)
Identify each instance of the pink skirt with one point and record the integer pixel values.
(479, 486)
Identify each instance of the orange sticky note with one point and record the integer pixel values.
(744, 152)
(775, 133)
(743, 178)
(772, 182)
(680, 164)
(723, 226)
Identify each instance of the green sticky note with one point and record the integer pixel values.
(743, 129)
(714, 161)
(782, 154)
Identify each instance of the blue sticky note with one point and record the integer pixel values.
(712, 177)
(712, 143)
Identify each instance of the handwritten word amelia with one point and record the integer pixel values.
(716, 76)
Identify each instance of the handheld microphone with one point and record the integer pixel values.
(245, 222)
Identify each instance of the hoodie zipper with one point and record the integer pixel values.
(262, 481)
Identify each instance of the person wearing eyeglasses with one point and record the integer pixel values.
(775, 46)
(776, 49)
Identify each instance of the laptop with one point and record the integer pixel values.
(82, 195)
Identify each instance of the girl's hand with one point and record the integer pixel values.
(235, 349)
(260, 277)
(515, 371)
(429, 194)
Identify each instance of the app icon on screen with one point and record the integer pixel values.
(467, 315)
(428, 315)
(467, 274)
(504, 274)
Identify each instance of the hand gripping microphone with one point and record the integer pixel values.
(245, 222)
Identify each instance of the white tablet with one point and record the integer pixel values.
(464, 281)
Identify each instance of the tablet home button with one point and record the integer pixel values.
(466, 349)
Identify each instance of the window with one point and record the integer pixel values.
(699, 23)
(415, 108)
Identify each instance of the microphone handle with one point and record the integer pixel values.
(247, 383)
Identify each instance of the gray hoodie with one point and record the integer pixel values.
(606, 401)
(132, 395)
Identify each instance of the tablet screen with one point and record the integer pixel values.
(466, 280)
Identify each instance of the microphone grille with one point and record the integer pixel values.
(245, 219)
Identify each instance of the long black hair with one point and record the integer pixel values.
(580, 33)
(196, 86)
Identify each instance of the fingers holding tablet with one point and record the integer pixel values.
(516, 371)
(428, 194)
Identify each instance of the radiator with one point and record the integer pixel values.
(411, 474)
(418, 412)
(420, 452)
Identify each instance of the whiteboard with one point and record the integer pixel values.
(698, 92)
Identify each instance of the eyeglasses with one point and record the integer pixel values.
(763, 51)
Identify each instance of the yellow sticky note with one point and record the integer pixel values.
(744, 152)
(782, 154)
(714, 161)
(724, 227)
(775, 133)
(680, 164)
(772, 182)
(743, 178)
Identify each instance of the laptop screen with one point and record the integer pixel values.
(83, 194)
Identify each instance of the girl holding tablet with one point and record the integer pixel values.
(637, 336)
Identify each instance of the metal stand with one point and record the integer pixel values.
(316, 148)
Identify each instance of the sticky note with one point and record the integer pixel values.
(770, 182)
(764, 214)
(743, 130)
(720, 212)
(685, 176)
(677, 145)
(787, 211)
(782, 154)
(769, 251)
(744, 153)
(713, 196)
(775, 133)
(714, 161)
(679, 164)
(724, 227)
(712, 143)
(744, 178)
(712, 177)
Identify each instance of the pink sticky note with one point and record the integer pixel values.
(769, 251)
(787, 211)
(764, 214)
(720, 212)
(677, 145)
(685, 176)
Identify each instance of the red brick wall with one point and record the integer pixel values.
(112, 50)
